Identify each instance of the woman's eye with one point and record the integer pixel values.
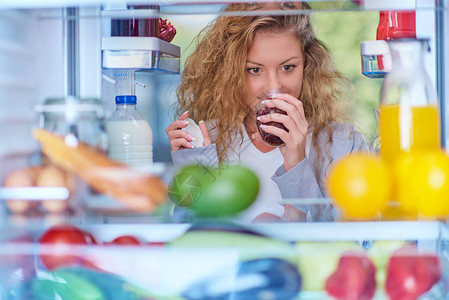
(289, 5)
(253, 70)
(288, 67)
(253, 5)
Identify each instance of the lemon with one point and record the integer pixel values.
(360, 184)
(422, 183)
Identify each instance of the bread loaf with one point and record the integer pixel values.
(139, 191)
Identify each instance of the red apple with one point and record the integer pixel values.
(354, 278)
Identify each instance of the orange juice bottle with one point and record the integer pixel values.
(408, 113)
(409, 128)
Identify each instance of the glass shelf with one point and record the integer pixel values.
(140, 54)
(292, 232)
(434, 231)
(185, 7)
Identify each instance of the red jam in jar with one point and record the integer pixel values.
(261, 109)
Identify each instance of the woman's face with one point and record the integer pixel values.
(282, 5)
(274, 61)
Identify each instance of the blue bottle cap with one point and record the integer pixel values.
(125, 99)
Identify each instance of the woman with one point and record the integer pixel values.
(236, 59)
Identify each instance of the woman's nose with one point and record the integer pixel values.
(273, 82)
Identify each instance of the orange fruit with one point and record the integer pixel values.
(422, 183)
(360, 184)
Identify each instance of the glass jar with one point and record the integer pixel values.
(81, 117)
(137, 26)
(408, 114)
(261, 109)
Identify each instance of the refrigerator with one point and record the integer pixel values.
(68, 59)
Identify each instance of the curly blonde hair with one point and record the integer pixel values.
(214, 80)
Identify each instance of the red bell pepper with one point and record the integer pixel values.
(354, 278)
(411, 273)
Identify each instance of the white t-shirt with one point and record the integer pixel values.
(264, 164)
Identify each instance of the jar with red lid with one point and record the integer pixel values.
(137, 26)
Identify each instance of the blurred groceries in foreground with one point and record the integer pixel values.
(414, 186)
(211, 260)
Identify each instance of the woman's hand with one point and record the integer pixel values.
(180, 139)
(294, 148)
(265, 217)
(292, 214)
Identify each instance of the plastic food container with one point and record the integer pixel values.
(376, 58)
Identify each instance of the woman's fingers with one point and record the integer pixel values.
(178, 124)
(205, 133)
(281, 133)
(293, 150)
(184, 115)
(181, 143)
(174, 131)
(179, 138)
(287, 121)
(279, 118)
(290, 109)
(177, 134)
(294, 102)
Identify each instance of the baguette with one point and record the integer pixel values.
(138, 191)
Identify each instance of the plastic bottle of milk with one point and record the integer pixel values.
(130, 135)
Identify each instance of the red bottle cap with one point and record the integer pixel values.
(394, 24)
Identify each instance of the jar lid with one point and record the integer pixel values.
(59, 105)
(126, 99)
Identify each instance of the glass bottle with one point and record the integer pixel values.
(408, 115)
(130, 134)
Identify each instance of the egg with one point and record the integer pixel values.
(23, 177)
(194, 130)
(18, 206)
(52, 176)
